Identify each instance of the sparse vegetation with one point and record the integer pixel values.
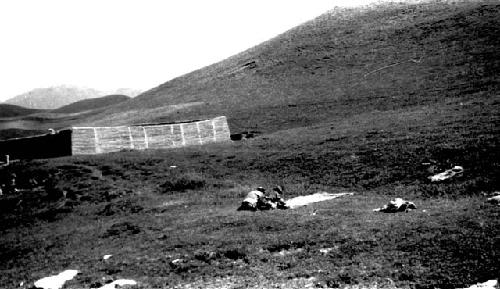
(93, 103)
(10, 110)
(182, 182)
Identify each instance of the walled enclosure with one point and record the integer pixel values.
(95, 140)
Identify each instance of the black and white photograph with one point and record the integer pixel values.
(250, 144)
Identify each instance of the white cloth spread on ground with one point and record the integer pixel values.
(314, 198)
(491, 284)
(56, 281)
(495, 199)
(119, 282)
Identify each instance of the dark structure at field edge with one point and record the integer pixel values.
(96, 140)
(42, 146)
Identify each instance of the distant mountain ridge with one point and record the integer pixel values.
(58, 96)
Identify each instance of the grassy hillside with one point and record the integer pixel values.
(354, 101)
(431, 52)
(10, 110)
(15, 121)
(27, 122)
(94, 103)
(17, 133)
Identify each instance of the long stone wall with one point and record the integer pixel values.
(95, 140)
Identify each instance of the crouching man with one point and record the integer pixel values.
(254, 200)
(276, 199)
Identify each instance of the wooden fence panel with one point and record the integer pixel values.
(207, 132)
(177, 140)
(138, 138)
(221, 128)
(83, 141)
(190, 133)
(156, 136)
(92, 140)
(112, 139)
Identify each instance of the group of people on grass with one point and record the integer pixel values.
(258, 200)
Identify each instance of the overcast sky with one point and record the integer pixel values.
(110, 44)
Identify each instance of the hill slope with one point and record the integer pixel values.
(381, 58)
(11, 133)
(94, 103)
(10, 110)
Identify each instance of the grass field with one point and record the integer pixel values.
(145, 213)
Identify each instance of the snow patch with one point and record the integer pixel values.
(56, 281)
(119, 282)
(326, 250)
(455, 171)
(494, 200)
(490, 284)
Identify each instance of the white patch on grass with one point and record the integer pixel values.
(119, 282)
(283, 253)
(106, 257)
(326, 250)
(455, 171)
(176, 261)
(314, 198)
(494, 200)
(170, 203)
(56, 281)
(490, 284)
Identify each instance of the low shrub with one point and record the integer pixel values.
(182, 182)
